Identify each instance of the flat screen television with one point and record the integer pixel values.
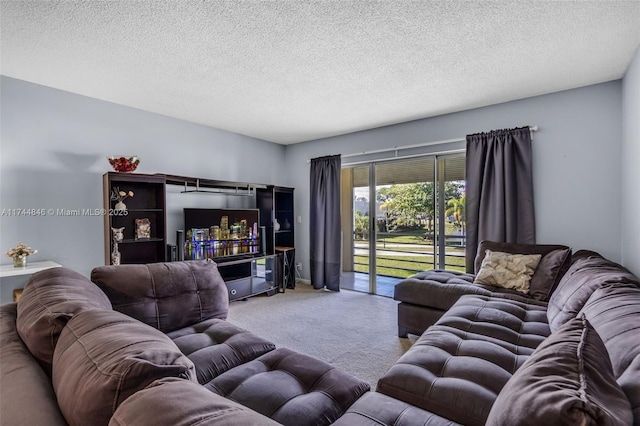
(221, 233)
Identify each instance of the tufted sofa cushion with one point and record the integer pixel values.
(426, 296)
(49, 300)
(104, 357)
(451, 376)
(167, 296)
(439, 288)
(215, 346)
(183, 403)
(457, 367)
(585, 275)
(291, 388)
(376, 409)
(518, 322)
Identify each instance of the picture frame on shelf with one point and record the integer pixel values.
(143, 229)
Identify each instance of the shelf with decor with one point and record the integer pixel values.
(247, 257)
(135, 223)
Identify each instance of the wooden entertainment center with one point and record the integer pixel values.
(135, 229)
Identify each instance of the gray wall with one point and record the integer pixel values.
(576, 158)
(53, 153)
(54, 144)
(630, 207)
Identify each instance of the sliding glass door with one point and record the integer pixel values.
(356, 228)
(410, 220)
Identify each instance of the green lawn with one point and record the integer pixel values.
(402, 266)
(406, 254)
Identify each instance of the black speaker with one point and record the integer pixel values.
(171, 253)
(180, 245)
(263, 240)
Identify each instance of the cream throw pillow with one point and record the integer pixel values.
(508, 270)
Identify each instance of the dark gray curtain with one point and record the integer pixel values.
(499, 189)
(324, 222)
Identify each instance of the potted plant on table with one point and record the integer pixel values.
(19, 254)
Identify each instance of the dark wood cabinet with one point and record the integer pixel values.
(276, 206)
(143, 220)
(144, 197)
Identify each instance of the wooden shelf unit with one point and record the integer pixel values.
(275, 203)
(148, 201)
(244, 277)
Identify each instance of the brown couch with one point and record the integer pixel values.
(426, 296)
(493, 358)
(150, 344)
(498, 358)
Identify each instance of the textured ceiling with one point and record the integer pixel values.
(292, 71)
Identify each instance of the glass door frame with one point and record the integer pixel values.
(439, 217)
(373, 230)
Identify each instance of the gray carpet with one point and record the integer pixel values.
(356, 332)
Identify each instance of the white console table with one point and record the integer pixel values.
(31, 268)
(12, 283)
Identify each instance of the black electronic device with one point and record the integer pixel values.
(180, 244)
(221, 234)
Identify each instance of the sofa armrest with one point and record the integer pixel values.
(21, 375)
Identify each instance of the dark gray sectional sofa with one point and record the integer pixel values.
(426, 296)
(149, 344)
(499, 358)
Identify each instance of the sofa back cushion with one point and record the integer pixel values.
(49, 300)
(167, 296)
(615, 314)
(184, 403)
(104, 357)
(585, 275)
(26, 394)
(555, 261)
(567, 380)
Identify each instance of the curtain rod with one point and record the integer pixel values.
(419, 145)
(403, 157)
